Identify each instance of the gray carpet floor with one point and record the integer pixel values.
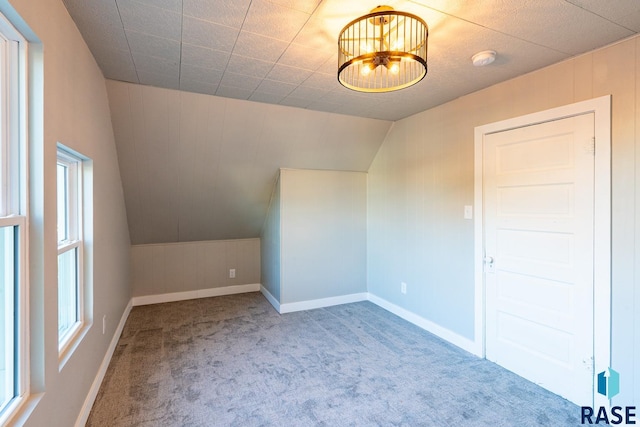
(234, 361)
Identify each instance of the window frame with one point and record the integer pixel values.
(14, 196)
(10, 113)
(74, 241)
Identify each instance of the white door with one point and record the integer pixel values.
(538, 235)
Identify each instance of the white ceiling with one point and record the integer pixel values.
(200, 167)
(285, 51)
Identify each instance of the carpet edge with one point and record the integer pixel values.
(83, 416)
(200, 293)
(448, 335)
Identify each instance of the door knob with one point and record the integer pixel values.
(488, 260)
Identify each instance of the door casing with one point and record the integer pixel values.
(601, 107)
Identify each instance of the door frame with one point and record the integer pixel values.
(601, 108)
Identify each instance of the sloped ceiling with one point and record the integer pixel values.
(200, 167)
(285, 51)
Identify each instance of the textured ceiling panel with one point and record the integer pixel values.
(555, 24)
(292, 101)
(154, 64)
(198, 86)
(106, 11)
(307, 6)
(200, 74)
(144, 18)
(207, 34)
(303, 57)
(172, 5)
(625, 12)
(249, 66)
(330, 67)
(153, 45)
(276, 88)
(274, 21)
(315, 35)
(204, 57)
(295, 42)
(269, 98)
(284, 73)
(322, 81)
(240, 81)
(229, 13)
(108, 37)
(233, 92)
(160, 80)
(118, 65)
(260, 47)
(308, 93)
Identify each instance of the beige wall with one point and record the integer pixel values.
(190, 266)
(200, 167)
(314, 237)
(70, 106)
(323, 239)
(270, 245)
(423, 176)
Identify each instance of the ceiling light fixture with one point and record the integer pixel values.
(383, 51)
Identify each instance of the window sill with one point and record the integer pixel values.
(71, 344)
(20, 411)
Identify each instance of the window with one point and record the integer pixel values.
(13, 221)
(70, 247)
(7, 322)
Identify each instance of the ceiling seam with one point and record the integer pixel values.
(135, 69)
(490, 29)
(233, 48)
(284, 51)
(600, 16)
(181, 42)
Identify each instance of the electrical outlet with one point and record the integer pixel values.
(104, 324)
(403, 288)
(232, 273)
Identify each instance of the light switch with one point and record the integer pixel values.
(468, 212)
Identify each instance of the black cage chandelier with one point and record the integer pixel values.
(383, 51)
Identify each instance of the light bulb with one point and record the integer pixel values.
(367, 67)
(394, 68)
(366, 47)
(397, 44)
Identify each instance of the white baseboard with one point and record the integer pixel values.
(323, 302)
(427, 325)
(95, 387)
(200, 293)
(274, 302)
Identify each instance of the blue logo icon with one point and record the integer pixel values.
(608, 383)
